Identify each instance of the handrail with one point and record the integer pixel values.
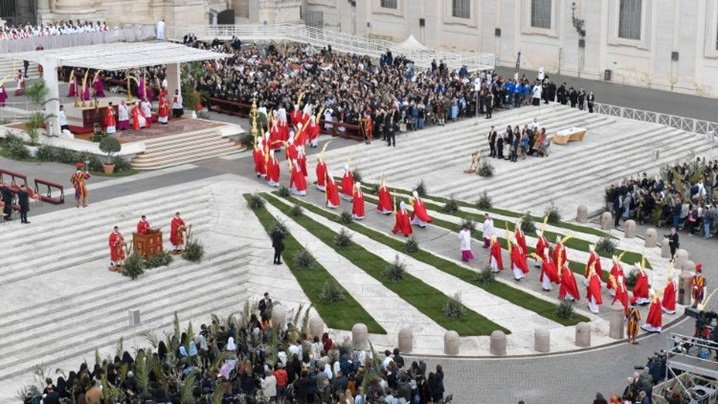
(339, 41)
(691, 125)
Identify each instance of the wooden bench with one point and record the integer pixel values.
(56, 200)
(350, 131)
(229, 107)
(14, 178)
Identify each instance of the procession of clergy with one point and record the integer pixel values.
(303, 130)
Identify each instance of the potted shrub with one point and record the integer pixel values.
(36, 120)
(110, 145)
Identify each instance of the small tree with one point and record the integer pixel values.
(36, 93)
(484, 202)
(110, 146)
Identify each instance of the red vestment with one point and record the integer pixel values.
(164, 108)
(640, 290)
(358, 204)
(110, 120)
(567, 284)
(177, 231)
(332, 193)
(595, 260)
(402, 223)
(655, 316)
(495, 253)
(384, 205)
(72, 88)
(548, 269)
(295, 117)
(283, 131)
(559, 254)
(521, 240)
(260, 166)
(117, 247)
(669, 298)
(302, 161)
(541, 245)
(321, 174)
(347, 185)
(593, 290)
(297, 182)
(312, 131)
(275, 138)
(420, 212)
(273, 171)
(291, 152)
(616, 270)
(518, 259)
(136, 113)
(143, 227)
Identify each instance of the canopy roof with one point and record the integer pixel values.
(413, 43)
(120, 55)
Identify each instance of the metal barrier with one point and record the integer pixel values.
(691, 125)
(339, 41)
(14, 111)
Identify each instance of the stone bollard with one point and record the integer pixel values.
(316, 326)
(360, 336)
(406, 340)
(542, 340)
(665, 249)
(279, 316)
(616, 321)
(606, 221)
(582, 214)
(689, 266)
(684, 288)
(583, 335)
(497, 343)
(629, 228)
(681, 259)
(651, 238)
(240, 320)
(451, 343)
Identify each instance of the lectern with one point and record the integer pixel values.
(147, 244)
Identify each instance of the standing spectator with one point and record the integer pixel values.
(6, 196)
(161, 30)
(269, 385)
(265, 304)
(536, 94)
(573, 97)
(23, 199)
(64, 125)
(708, 219)
(278, 245)
(673, 241)
(492, 142)
(590, 100)
(562, 94)
(281, 379)
(581, 98)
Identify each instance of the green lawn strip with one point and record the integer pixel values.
(513, 295)
(340, 315)
(569, 226)
(425, 298)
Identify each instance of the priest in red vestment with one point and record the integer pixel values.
(143, 226)
(593, 291)
(358, 202)
(347, 184)
(401, 221)
(302, 160)
(117, 247)
(549, 273)
(496, 262)
(313, 132)
(616, 271)
(177, 229)
(420, 216)
(654, 320)
(559, 253)
(519, 266)
(541, 244)
(291, 150)
(521, 239)
(668, 303)
(137, 117)
(273, 170)
(595, 260)
(297, 182)
(321, 171)
(98, 86)
(384, 206)
(332, 192)
(163, 111)
(640, 289)
(567, 283)
(260, 162)
(295, 116)
(110, 119)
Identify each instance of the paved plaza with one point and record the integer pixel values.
(60, 260)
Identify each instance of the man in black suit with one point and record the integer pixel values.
(278, 245)
(573, 97)
(390, 127)
(561, 94)
(265, 304)
(23, 199)
(6, 196)
(673, 242)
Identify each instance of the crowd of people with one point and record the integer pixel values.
(515, 142)
(230, 361)
(682, 196)
(53, 28)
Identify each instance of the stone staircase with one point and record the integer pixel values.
(573, 174)
(49, 316)
(184, 148)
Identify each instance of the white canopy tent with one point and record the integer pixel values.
(414, 44)
(110, 57)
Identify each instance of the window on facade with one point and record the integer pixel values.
(461, 8)
(389, 4)
(629, 19)
(541, 14)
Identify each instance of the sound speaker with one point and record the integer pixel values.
(497, 32)
(134, 315)
(422, 22)
(674, 56)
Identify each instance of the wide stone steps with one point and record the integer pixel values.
(169, 151)
(100, 328)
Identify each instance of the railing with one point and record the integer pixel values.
(339, 41)
(128, 34)
(14, 111)
(691, 125)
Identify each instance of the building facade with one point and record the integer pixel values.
(665, 44)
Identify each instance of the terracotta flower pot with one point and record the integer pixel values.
(109, 168)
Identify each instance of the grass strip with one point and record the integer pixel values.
(425, 298)
(516, 296)
(340, 315)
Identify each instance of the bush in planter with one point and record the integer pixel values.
(120, 164)
(46, 153)
(304, 259)
(193, 251)
(283, 191)
(565, 310)
(346, 218)
(411, 245)
(16, 150)
(396, 270)
(421, 189)
(162, 259)
(485, 169)
(295, 211)
(66, 156)
(454, 307)
(255, 202)
(527, 224)
(331, 292)
(485, 276)
(134, 266)
(606, 247)
(484, 202)
(343, 239)
(451, 206)
(110, 146)
(554, 215)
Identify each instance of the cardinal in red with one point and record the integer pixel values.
(273, 170)
(541, 245)
(595, 260)
(496, 262)
(295, 116)
(291, 150)
(332, 192)
(299, 137)
(312, 130)
(654, 320)
(521, 239)
(559, 253)
(616, 271)
(358, 202)
(567, 283)
(621, 293)
(593, 291)
(143, 226)
(549, 274)
(640, 289)
(136, 117)
(163, 110)
(321, 171)
(302, 160)
(519, 266)
(347, 184)
(260, 162)
(668, 303)
(177, 228)
(297, 183)
(384, 206)
(117, 247)
(110, 119)
(401, 221)
(419, 217)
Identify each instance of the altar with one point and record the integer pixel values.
(569, 135)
